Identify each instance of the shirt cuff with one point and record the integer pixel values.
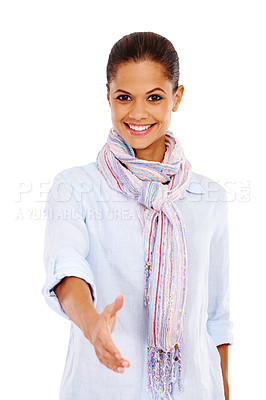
(68, 267)
(221, 331)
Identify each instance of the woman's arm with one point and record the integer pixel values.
(69, 276)
(219, 324)
(75, 298)
(223, 351)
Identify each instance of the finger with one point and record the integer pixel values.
(107, 343)
(109, 346)
(110, 362)
(121, 362)
(117, 305)
(109, 359)
(112, 308)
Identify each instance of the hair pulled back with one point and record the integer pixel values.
(144, 46)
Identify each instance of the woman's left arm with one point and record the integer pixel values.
(223, 351)
(219, 324)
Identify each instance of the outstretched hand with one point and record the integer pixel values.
(100, 336)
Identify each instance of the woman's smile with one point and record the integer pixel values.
(139, 130)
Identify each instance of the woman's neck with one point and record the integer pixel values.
(154, 152)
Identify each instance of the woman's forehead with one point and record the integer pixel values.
(144, 73)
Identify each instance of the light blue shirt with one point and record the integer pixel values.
(93, 232)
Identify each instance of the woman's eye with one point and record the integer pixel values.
(155, 97)
(123, 97)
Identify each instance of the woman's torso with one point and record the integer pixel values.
(116, 258)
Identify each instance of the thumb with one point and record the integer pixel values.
(117, 305)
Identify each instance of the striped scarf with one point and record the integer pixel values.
(156, 186)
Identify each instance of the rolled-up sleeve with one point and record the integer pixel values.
(66, 243)
(219, 325)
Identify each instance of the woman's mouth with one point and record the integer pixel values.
(139, 130)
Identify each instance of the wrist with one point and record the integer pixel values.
(88, 320)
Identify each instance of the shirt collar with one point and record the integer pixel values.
(193, 186)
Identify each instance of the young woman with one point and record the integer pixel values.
(136, 248)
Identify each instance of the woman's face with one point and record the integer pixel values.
(141, 101)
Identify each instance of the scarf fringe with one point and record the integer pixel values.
(163, 367)
(162, 372)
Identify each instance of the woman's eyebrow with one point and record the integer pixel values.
(124, 91)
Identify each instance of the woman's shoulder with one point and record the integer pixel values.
(210, 187)
(78, 179)
(80, 173)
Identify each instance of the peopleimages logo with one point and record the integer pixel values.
(51, 200)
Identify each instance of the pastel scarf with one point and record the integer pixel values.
(156, 186)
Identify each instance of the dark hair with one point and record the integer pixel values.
(144, 46)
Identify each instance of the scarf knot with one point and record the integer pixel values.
(153, 195)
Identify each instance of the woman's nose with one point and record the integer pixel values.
(138, 111)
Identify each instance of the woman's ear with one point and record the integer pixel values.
(108, 93)
(178, 97)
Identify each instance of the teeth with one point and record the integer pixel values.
(139, 128)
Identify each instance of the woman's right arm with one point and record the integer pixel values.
(75, 298)
(68, 273)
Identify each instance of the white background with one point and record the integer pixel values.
(54, 115)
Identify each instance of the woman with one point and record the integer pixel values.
(136, 248)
